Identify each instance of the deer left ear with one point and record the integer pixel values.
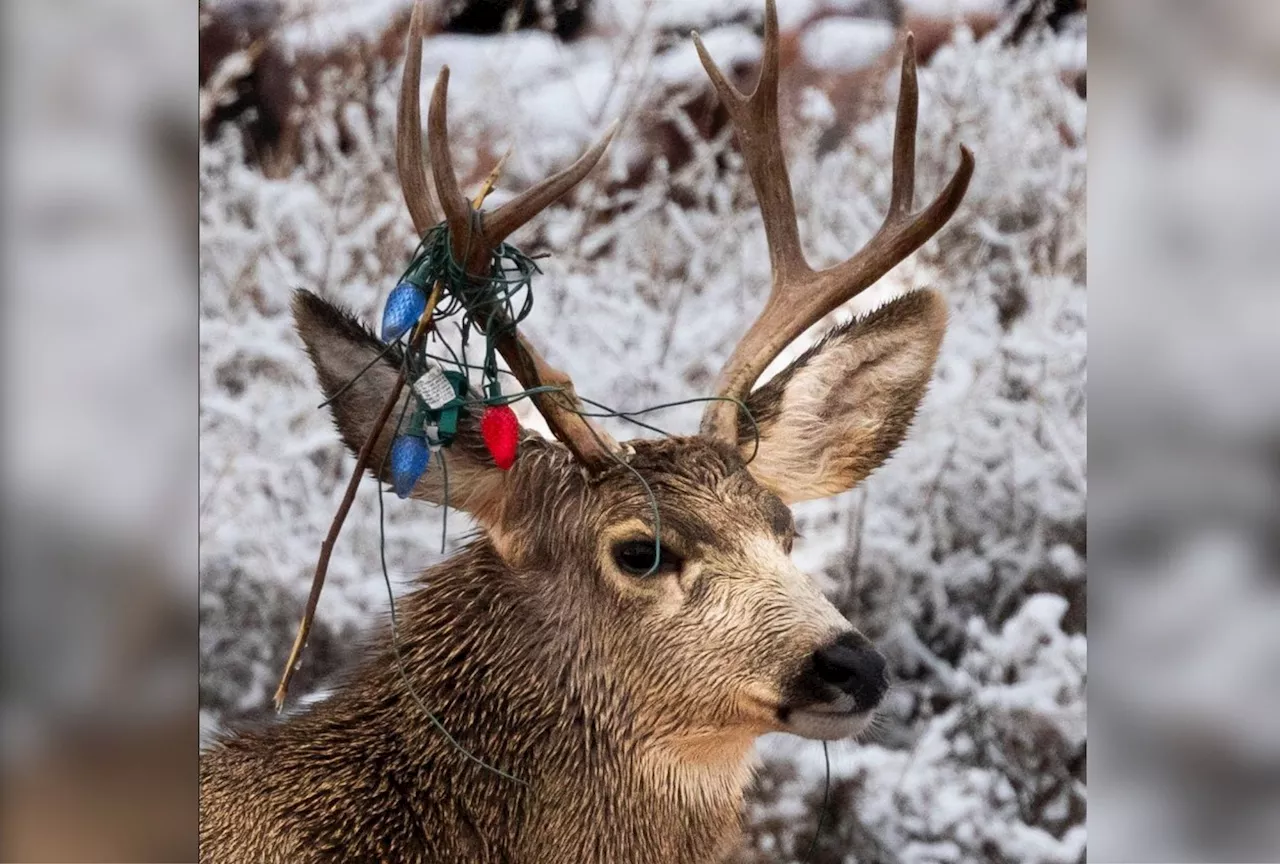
(842, 408)
(357, 376)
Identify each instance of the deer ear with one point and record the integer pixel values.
(341, 348)
(842, 408)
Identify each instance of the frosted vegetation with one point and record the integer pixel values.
(964, 556)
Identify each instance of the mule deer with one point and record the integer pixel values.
(626, 702)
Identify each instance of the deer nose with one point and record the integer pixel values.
(853, 666)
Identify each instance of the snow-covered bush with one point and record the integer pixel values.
(964, 556)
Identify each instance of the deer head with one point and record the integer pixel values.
(724, 639)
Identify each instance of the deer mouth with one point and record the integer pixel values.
(825, 722)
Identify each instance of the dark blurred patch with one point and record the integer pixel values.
(565, 18)
(107, 793)
(123, 628)
(176, 147)
(260, 98)
(1032, 14)
(99, 736)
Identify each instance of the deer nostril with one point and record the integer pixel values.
(852, 665)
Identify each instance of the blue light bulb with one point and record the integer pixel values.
(405, 306)
(409, 457)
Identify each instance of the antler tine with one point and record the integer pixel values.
(516, 212)
(413, 177)
(755, 119)
(474, 239)
(799, 296)
(903, 188)
(457, 210)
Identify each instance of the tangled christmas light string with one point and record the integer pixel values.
(433, 289)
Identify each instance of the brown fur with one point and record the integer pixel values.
(527, 668)
(627, 705)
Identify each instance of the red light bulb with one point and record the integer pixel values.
(501, 432)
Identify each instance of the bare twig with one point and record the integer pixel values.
(335, 527)
(326, 548)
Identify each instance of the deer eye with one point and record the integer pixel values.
(636, 558)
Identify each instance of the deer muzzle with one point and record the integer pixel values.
(837, 689)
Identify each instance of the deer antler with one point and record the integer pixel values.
(801, 296)
(475, 235)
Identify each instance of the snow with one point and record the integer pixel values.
(948, 8)
(846, 44)
(729, 46)
(963, 556)
(326, 24)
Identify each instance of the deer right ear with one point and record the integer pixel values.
(346, 358)
(842, 408)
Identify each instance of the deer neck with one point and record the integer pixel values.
(531, 697)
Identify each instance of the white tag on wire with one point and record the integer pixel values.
(433, 388)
